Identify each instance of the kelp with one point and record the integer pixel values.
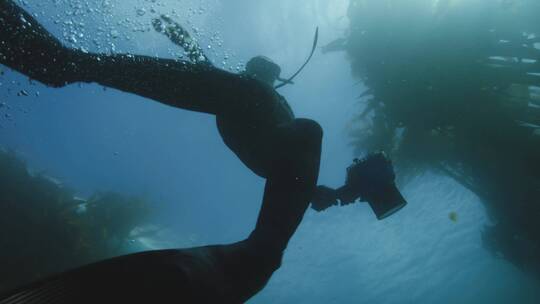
(454, 86)
(46, 229)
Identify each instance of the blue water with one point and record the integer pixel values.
(95, 139)
(417, 256)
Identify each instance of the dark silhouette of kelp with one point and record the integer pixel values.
(455, 86)
(46, 229)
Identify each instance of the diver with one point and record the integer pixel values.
(255, 122)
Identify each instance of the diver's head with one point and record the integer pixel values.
(264, 69)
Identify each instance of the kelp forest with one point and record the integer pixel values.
(454, 87)
(47, 229)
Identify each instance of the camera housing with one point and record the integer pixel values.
(372, 179)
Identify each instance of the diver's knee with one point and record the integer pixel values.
(267, 253)
(309, 128)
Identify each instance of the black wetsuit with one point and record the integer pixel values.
(254, 121)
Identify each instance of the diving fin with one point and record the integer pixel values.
(53, 291)
(181, 37)
(147, 277)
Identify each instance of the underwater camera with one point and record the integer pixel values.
(371, 179)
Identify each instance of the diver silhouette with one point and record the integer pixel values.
(255, 122)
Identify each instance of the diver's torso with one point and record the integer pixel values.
(250, 135)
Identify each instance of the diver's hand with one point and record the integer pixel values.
(323, 198)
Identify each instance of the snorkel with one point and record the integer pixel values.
(266, 70)
(285, 82)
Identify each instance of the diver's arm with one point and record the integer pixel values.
(325, 197)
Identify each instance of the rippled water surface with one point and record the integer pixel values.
(96, 139)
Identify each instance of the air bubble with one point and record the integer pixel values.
(141, 12)
(114, 34)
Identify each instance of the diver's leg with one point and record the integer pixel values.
(290, 184)
(28, 48)
(184, 85)
(247, 266)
